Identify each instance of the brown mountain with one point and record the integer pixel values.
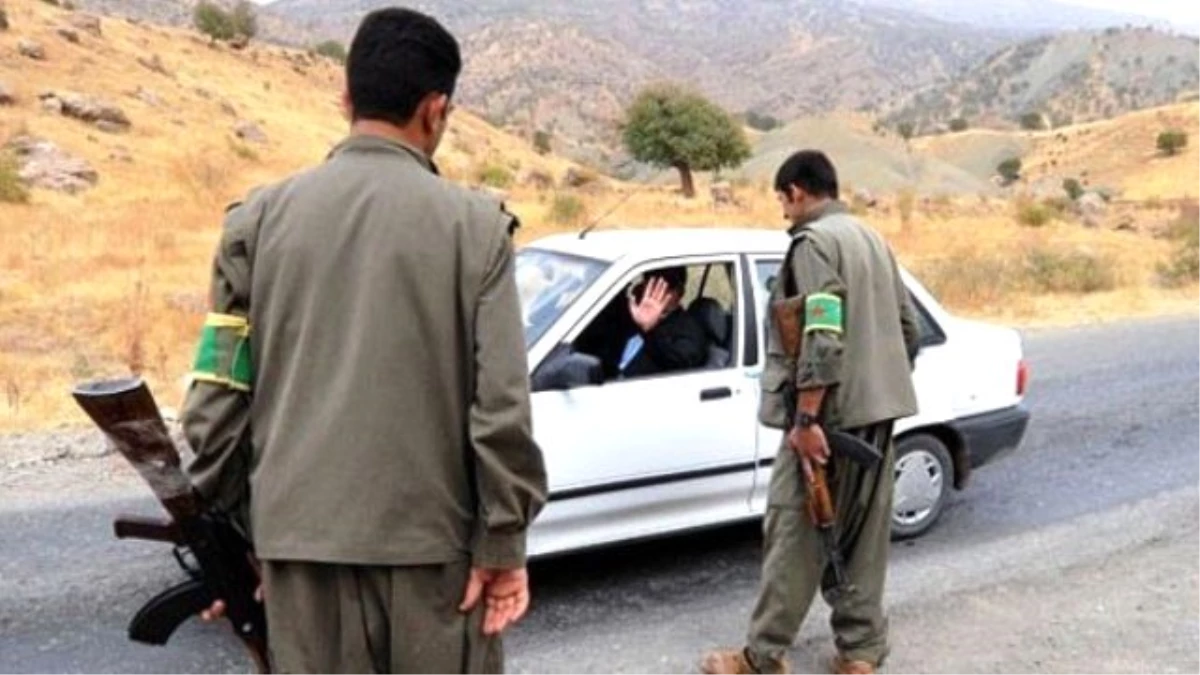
(1068, 77)
(570, 67)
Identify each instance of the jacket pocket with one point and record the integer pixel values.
(772, 404)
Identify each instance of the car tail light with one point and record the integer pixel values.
(1022, 377)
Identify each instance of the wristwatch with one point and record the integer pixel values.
(804, 420)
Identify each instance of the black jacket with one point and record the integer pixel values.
(678, 342)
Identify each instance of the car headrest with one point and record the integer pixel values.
(713, 317)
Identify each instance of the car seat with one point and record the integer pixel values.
(718, 326)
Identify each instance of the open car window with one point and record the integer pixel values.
(710, 296)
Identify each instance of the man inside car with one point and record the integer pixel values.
(667, 338)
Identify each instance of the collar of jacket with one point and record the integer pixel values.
(830, 208)
(373, 143)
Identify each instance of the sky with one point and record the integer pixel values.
(1183, 13)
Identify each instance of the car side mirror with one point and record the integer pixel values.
(564, 369)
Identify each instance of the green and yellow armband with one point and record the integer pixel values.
(823, 311)
(223, 356)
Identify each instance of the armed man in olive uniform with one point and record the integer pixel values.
(361, 389)
(853, 374)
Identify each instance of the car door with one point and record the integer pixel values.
(633, 457)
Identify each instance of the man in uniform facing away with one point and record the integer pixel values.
(361, 389)
(853, 374)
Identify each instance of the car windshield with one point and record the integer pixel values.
(548, 283)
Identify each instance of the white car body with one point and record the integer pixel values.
(630, 459)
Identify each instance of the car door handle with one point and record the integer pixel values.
(716, 393)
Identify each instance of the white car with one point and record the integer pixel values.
(643, 457)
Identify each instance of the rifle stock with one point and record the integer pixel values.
(126, 412)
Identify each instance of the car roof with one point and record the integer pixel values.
(613, 244)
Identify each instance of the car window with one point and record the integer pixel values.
(710, 297)
(767, 271)
(547, 283)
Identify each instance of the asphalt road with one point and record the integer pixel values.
(1110, 465)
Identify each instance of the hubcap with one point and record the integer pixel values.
(918, 486)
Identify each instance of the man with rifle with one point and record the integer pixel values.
(840, 350)
(361, 402)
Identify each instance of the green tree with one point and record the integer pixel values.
(958, 124)
(1172, 141)
(1032, 121)
(213, 21)
(332, 49)
(1009, 169)
(905, 129)
(669, 126)
(541, 142)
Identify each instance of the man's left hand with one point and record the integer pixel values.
(810, 444)
(505, 593)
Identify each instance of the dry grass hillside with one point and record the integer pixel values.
(112, 278)
(1120, 155)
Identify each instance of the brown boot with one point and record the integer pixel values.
(732, 662)
(843, 666)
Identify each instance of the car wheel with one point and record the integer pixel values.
(923, 473)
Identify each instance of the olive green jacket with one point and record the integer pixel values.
(388, 419)
(866, 362)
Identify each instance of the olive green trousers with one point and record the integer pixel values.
(328, 618)
(795, 565)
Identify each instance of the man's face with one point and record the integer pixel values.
(794, 202)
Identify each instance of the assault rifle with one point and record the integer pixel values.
(224, 568)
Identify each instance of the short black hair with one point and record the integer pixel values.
(676, 277)
(811, 171)
(397, 58)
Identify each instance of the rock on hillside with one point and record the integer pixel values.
(43, 164)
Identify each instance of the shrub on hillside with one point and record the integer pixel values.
(1032, 214)
(12, 188)
(1009, 169)
(244, 19)
(761, 121)
(958, 124)
(567, 209)
(1073, 188)
(495, 175)
(1032, 121)
(219, 24)
(1183, 267)
(1051, 271)
(213, 21)
(541, 142)
(1172, 141)
(331, 49)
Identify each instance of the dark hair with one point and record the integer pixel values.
(676, 277)
(811, 171)
(397, 58)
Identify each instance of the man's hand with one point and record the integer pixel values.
(217, 609)
(506, 593)
(810, 444)
(647, 313)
